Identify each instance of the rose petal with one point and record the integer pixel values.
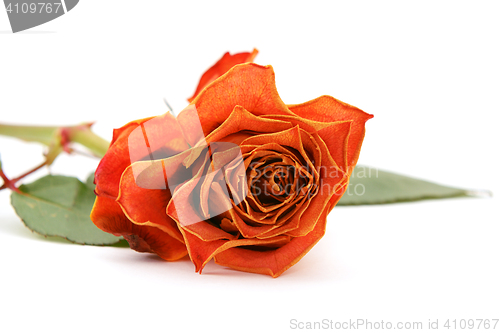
(218, 200)
(189, 121)
(289, 138)
(335, 134)
(107, 215)
(273, 262)
(201, 252)
(255, 212)
(251, 152)
(146, 206)
(329, 109)
(248, 85)
(182, 211)
(157, 138)
(228, 226)
(246, 230)
(304, 123)
(297, 205)
(242, 120)
(116, 159)
(336, 137)
(235, 175)
(331, 182)
(157, 135)
(222, 66)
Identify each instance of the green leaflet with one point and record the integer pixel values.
(60, 206)
(370, 186)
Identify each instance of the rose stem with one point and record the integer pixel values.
(57, 139)
(60, 136)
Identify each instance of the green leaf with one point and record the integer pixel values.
(60, 206)
(370, 186)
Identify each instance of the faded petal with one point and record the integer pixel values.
(248, 85)
(135, 141)
(272, 262)
(329, 109)
(108, 216)
(222, 66)
(147, 205)
(201, 252)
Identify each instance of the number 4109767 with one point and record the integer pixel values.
(40, 7)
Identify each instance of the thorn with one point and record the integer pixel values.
(169, 107)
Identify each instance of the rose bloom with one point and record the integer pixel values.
(238, 176)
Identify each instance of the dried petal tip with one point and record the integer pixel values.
(227, 62)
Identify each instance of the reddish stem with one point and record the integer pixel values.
(11, 184)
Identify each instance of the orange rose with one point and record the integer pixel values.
(238, 176)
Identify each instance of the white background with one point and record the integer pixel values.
(428, 71)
